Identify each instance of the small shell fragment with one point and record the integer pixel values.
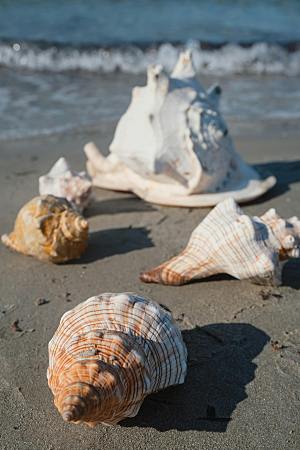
(230, 242)
(103, 376)
(61, 181)
(48, 228)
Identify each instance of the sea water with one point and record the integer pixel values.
(72, 63)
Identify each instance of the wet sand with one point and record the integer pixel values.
(242, 388)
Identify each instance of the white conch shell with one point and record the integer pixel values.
(172, 146)
(63, 182)
(108, 353)
(228, 241)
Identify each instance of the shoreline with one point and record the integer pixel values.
(240, 131)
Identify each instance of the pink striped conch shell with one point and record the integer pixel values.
(48, 228)
(230, 242)
(109, 353)
(63, 182)
(172, 146)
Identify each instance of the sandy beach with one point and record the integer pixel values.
(242, 388)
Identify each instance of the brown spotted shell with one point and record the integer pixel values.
(108, 353)
(48, 228)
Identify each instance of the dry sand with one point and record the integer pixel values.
(242, 391)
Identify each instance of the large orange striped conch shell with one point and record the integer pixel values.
(48, 228)
(109, 353)
(172, 145)
(61, 181)
(230, 242)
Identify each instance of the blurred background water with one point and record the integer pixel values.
(69, 64)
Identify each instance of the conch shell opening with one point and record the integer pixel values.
(173, 147)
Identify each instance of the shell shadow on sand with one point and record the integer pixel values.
(220, 365)
(114, 241)
(285, 172)
(290, 274)
(122, 204)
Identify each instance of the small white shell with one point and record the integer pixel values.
(108, 353)
(228, 241)
(63, 182)
(172, 146)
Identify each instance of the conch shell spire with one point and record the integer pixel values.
(230, 242)
(80, 400)
(287, 233)
(184, 67)
(109, 353)
(172, 145)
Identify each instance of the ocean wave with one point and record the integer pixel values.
(225, 59)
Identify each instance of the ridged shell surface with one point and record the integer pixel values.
(62, 181)
(228, 241)
(172, 145)
(48, 228)
(108, 353)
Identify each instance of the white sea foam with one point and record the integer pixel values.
(259, 58)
